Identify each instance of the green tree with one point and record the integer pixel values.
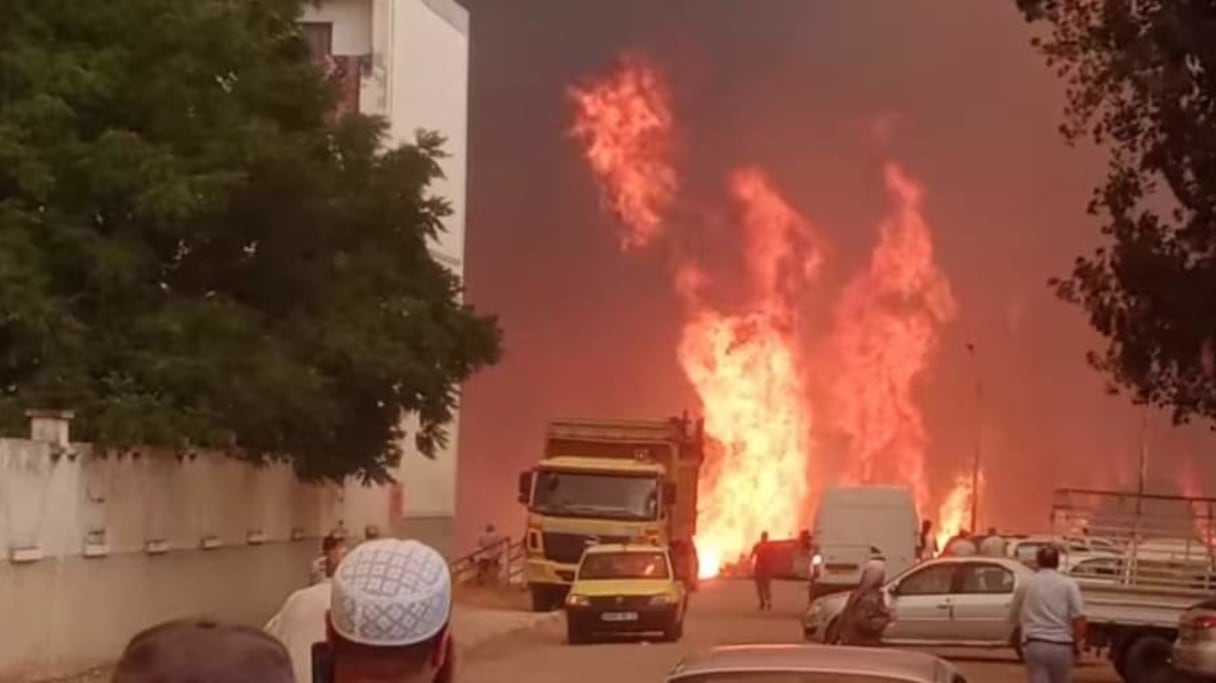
(1141, 83)
(192, 255)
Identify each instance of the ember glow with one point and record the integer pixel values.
(886, 331)
(748, 373)
(624, 123)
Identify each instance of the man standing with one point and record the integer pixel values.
(762, 571)
(389, 615)
(301, 620)
(961, 545)
(926, 544)
(489, 557)
(333, 547)
(1051, 615)
(993, 544)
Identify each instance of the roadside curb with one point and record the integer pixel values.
(536, 622)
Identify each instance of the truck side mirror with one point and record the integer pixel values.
(669, 492)
(525, 486)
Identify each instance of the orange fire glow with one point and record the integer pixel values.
(955, 510)
(747, 361)
(748, 372)
(624, 122)
(886, 329)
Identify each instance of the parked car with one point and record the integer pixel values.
(961, 601)
(1194, 650)
(813, 664)
(1072, 550)
(625, 589)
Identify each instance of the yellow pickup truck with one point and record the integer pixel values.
(625, 589)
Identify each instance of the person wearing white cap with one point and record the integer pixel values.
(389, 615)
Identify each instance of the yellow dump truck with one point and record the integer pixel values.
(609, 481)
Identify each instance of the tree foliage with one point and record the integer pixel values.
(1141, 77)
(192, 255)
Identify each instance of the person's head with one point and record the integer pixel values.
(963, 533)
(334, 553)
(190, 650)
(371, 532)
(992, 531)
(763, 535)
(926, 525)
(1048, 557)
(489, 528)
(389, 614)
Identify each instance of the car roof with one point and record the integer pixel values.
(887, 663)
(623, 548)
(1007, 562)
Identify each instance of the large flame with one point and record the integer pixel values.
(886, 329)
(746, 362)
(955, 510)
(624, 122)
(748, 372)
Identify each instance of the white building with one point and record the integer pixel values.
(407, 61)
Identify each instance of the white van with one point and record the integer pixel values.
(856, 523)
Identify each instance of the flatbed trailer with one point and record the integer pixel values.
(1133, 600)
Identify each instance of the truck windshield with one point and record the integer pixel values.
(615, 496)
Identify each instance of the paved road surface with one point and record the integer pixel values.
(722, 613)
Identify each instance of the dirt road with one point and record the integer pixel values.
(720, 614)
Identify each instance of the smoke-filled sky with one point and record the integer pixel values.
(800, 89)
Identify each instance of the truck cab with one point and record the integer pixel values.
(607, 482)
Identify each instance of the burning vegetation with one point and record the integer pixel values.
(747, 360)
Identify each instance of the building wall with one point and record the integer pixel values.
(69, 612)
(418, 79)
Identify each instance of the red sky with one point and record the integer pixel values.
(796, 89)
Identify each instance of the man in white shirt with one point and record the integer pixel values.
(993, 544)
(301, 620)
(1050, 612)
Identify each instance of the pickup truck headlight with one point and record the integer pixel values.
(574, 600)
(663, 599)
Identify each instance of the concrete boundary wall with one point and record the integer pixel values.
(96, 549)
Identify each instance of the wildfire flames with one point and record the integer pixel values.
(955, 510)
(624, 123)
(747, 362)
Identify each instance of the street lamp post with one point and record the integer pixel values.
(976, 454)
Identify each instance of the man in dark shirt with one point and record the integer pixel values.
(762, 571)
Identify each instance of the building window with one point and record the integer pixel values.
(320, 37)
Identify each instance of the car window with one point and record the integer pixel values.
(933, 580)
(783, 677)
(623, 566)
(1100, 567)
(986, 578)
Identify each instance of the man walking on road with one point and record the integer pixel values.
(762, 571)
(1051, 614)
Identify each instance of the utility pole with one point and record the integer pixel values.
(979, 422)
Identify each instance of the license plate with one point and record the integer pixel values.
(620, 616)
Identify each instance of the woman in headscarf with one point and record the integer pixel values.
(866, 614)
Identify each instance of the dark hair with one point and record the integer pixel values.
(399, 660)
(330, 542)
(188, 650)
(1048, 557)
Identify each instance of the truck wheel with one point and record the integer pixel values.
(1145, 657)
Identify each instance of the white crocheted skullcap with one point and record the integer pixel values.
(391, 592)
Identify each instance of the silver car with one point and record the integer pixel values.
(1195, 648)
(961, 601)
(813, 664)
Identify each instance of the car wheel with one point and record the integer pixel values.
(575, 636)
(1145, 658)
(831, 634)
(542, 599)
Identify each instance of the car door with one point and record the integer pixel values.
(921, 603)
(981, 604)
